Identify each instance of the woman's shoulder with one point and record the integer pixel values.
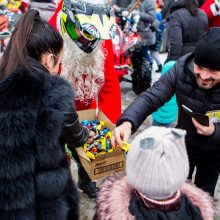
(57, 92)
(20, 83)
(36, 85)
(180, 11)
(201, 13)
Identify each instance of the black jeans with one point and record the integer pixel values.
(207, 173)
(83, 177)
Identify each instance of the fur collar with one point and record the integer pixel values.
(200, 199)
(117, 191)
(24, 93)
(33, 84)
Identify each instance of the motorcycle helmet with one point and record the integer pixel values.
(95, 22)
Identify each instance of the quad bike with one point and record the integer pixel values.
(130, 64)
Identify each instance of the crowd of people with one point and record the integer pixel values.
(60, 60)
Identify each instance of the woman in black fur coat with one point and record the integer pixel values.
(36, 119)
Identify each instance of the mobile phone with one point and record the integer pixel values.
(202, 119)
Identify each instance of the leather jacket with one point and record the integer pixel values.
(73, 133)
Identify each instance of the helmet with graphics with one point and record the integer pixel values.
(87, 22)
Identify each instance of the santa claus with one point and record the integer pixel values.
(87, 27)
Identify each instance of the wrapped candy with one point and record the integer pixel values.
(101, 143)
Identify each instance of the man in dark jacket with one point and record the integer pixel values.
(195, 79)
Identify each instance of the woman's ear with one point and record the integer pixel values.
(48, 61)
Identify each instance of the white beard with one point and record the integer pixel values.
(84, 71)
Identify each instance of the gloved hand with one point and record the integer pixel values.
(215, 8)
(125, 13)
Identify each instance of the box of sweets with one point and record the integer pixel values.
(106, 163)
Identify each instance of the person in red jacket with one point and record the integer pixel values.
(87, 27)
(212, 9)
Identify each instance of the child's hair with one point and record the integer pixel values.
(32, 37)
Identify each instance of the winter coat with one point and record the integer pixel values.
(181, 81)
(35, 179)
(117, 201)
(168, 112)
(121, 3)
(185, 30)
(166, 9)
(214, 20)
(110, 93)
(159, 34)
(46, 9)
(147, 10)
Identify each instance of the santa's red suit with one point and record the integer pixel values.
(109, 97)
(209, 9)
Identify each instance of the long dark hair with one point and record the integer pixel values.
(32, 37)
(192, 6)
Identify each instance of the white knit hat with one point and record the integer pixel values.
(157, 162)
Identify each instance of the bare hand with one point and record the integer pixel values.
(91, 137)
(204, 130)
(121, 133)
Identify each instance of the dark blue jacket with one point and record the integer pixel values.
(181, 81)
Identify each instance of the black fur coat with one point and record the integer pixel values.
(35, 180)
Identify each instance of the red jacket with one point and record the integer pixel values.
(109, 97)
(214, 21)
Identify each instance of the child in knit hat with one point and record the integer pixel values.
(155, 187)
